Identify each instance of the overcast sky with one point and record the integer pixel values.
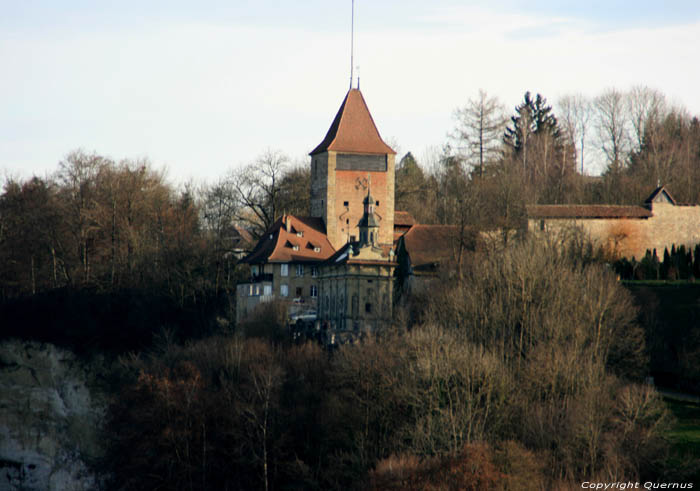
(203, 87)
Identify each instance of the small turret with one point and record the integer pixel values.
(368, 225)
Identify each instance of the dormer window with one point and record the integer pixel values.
(317, 249)
(295, 247)
(300, 233)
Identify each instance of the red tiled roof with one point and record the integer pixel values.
(430, 244)
(278, 244)
(587, 211)
(353, 129)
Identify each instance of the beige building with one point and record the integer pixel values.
(357, 283)
(625, 231)
(284, 265)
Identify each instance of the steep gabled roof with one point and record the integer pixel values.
(292, 239)
(660, 194)
(587, 211)
(353, 129)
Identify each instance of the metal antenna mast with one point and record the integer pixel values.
(352, 41)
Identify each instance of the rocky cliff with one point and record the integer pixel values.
(50, 418)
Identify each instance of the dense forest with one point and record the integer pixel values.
(524, 371)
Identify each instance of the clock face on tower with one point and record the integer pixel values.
(361, 183)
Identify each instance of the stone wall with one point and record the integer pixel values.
(631, 237)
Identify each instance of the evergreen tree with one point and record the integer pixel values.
(539, 149)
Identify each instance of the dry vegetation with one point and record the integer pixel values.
(521, 376)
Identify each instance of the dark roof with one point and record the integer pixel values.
(368, 220)
(432, 244)
(281, 242)
(403, 219)
(587, 211)
(337, 257)
(661, 190)
(353, 129)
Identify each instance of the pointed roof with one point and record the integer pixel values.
(660, 195)
(353, 129)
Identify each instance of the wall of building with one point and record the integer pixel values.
(331, 189)
(249, 295)
(346, 289)
(631, 237)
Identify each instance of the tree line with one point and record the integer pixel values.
(493, 163)
(108, 226)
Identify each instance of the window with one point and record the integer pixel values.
(267, 290)
(347, 221)
(299, 292)
(354, 305)
(317, 249)
(300, 233)
(314, 269)
(368, 308)
(377, 203)
(314, 291)
(254, 270)
(345, 203)
(284, 269)
(284, 290)
(300, 270)
(250, 290)
(257, 290)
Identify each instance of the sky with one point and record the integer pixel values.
(204, 88)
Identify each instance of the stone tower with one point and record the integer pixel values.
(350, 156)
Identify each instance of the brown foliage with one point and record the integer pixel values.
(470, 469)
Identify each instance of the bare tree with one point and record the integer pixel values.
(575, 113)
(646, 107)
(77, 176)
(480, 124)
(258, 190)
(613, 128)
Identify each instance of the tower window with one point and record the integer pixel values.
(347, 221)
(345, 203)
(377, 203)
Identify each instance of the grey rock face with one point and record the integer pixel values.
(49, 419)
